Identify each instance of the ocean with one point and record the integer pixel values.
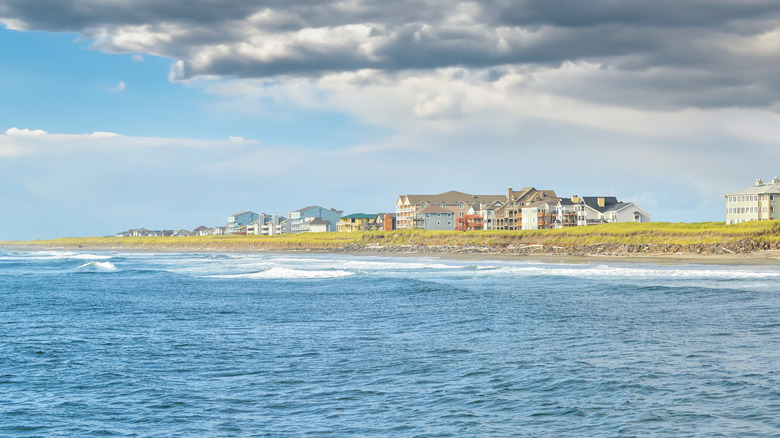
(163, 344)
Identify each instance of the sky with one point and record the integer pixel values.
(118, 114)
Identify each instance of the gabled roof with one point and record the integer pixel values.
(531, 194)
(436, 209)
(593, 202)
(452, 197)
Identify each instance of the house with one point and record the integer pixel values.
(355, 222)
(317, 225)
(757, 203)
(383, 222)
(479, 217)
(298, 217)
(510, 216)
(201, 230)
(268, 225)
(239, 220)
(408, 207)
(591, 210)
(539, 215)
(435, 217)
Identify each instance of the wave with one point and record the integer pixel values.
(99, 266)
(604, 271)
(286, 273)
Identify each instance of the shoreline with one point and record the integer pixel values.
(761, 257)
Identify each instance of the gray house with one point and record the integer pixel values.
(435, 218)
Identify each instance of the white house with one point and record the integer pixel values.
(757, 203)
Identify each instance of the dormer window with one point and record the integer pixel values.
(462, 206)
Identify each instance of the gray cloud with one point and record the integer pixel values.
(662, 53)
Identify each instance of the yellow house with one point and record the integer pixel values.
(355, 222)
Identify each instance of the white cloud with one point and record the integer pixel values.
(120, 87)
(26, 132)
(138, 58)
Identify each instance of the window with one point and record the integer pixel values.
(771, 197)
(462, 206)
(438, 222)
(449, 222)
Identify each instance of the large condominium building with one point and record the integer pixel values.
(408, 207)
(757, 203)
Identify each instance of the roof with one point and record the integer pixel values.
(593, 202)
(359, 216)
(436, 209)
(540, 203)
(452, 197)
(318, 221)
(758, 190)
(243, 212)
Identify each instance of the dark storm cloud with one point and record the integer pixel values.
(675, 53)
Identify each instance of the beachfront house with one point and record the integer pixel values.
(539, 215)
(268, 225)
(298, 217)
(592, 210)
(355, 222)
(435, 217)
(510, 215)
(408, 207)
(239, 220)
(757, 203)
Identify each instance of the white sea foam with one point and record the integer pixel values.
(286, 273)
(605, 271)
(99, 266)
(90, 257)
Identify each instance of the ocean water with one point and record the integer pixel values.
(150, 344)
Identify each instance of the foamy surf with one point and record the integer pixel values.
(605, 272)
(99, 266)
(286, 273)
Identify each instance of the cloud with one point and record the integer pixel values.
(138, 58)
(26, 132)
(660, 54)
(120, 87)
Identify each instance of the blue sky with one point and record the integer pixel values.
(179, 114)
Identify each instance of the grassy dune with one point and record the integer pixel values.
(623, 233)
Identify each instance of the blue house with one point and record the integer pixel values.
(298, 217)
(239, 220)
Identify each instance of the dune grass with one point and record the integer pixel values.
(620, 233)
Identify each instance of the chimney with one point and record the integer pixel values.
(758, 183)
(575, 199)
(601, 202)
(509, 196)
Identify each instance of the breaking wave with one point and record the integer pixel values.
(286, 273)
(99, 266)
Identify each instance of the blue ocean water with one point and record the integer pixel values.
(150, 344)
